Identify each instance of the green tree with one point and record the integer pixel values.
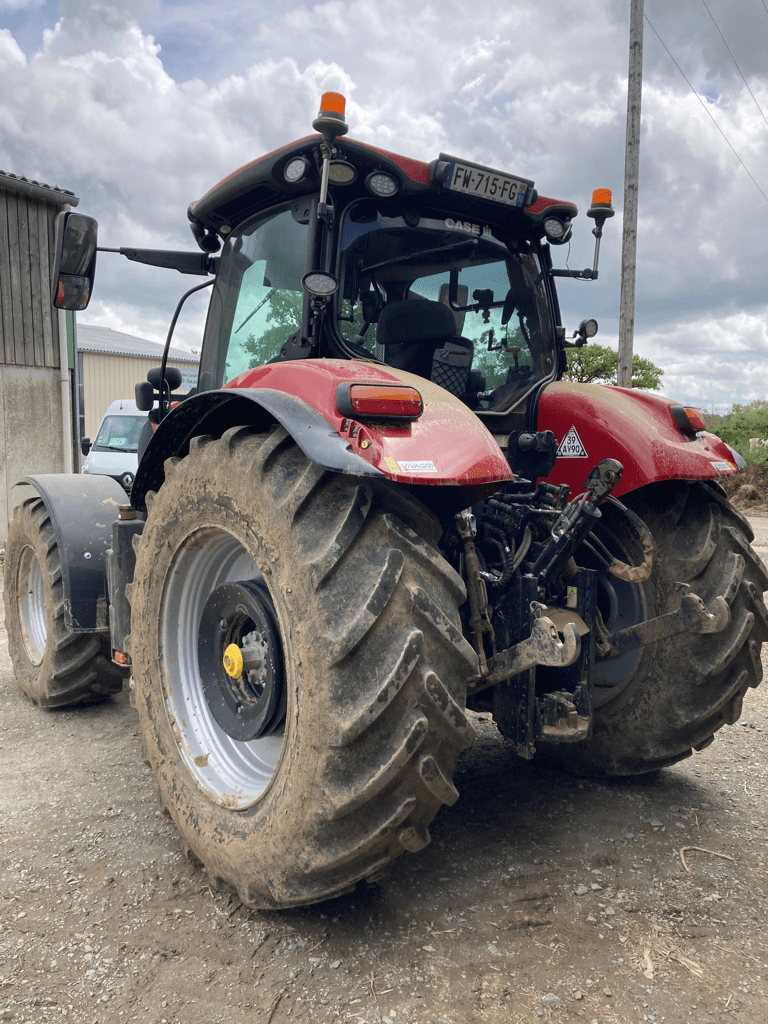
(598, 364)
(495, 364)
(285, 318)
(739, 425)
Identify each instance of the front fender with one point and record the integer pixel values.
(447, 446)
(594, 421)
(82, 511)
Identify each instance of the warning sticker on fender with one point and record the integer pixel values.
(417, 467)
(571, 446)
(724, 467)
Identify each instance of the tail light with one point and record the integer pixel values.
(689, 421)
(376, 401)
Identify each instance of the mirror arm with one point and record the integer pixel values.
(162, 410)
(183, 262)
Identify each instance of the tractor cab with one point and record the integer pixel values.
(335, 249)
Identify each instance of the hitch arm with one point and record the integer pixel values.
(691, 617)
(543, 647)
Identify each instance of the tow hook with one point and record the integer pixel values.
(542, 647)
(691, 617)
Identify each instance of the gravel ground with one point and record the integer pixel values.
(541, 897)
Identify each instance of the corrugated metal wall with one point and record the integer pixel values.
(28, 326)
(108, 377)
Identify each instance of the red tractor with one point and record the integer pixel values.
(381, 507)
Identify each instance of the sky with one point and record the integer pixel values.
(140, 106)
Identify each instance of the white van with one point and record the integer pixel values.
(114, 450)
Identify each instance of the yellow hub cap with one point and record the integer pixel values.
(233, 661)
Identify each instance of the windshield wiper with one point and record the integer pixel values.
(116, 448)
(471, 242)
(253, 312)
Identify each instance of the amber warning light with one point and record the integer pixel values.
(330, 120)
(602, 197)
(333, 103)
(379, 400)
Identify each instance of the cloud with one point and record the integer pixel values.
(140, 107)
(20, 5)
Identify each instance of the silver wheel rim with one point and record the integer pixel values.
(234, 774)
(30, 592)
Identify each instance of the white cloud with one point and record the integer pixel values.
(20, 5)
(140, 124)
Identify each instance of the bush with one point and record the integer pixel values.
(743, 422)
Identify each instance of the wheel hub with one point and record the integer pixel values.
(241, 660)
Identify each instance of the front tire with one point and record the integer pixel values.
(654, 706)
(375, 667)
(54, 666)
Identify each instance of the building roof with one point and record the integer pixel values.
(37, 189)
(115, 343)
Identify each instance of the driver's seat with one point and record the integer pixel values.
(421, 336)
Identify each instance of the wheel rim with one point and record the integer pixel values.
(621, 604)
(233, 773)
(30, 591)
(240, 655)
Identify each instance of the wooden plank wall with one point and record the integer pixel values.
(29, 334)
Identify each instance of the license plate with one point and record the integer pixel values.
(474, 180)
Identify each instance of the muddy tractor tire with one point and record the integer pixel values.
(333, 749)
(654, 706)
(53, 666)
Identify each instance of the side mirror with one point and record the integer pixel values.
(85, 445)
(145, 396)
(75, 260)
(172, 377)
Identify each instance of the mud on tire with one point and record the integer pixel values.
(375, 668)
(654, 707)
(53, 666)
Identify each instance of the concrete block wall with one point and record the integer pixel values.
(31, 438)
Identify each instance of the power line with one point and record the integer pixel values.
(709, 113)
(734, 59)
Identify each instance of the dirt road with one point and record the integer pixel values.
(540, 897)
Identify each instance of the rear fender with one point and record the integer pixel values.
(594, 422)
(447, 446)
(82, 509)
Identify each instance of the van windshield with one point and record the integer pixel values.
(119, 433)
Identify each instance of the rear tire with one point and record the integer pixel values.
(53, 666)
(653, 707)
(375, 668)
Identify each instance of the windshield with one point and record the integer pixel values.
(459, 302)
(120, 433)
(257, 299)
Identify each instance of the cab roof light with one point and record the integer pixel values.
(557, 230)
(689, 421)
(296, 170)
(382, 184)
(389, 401)
(341, 172)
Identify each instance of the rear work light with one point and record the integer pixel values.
(389, 401)
(689, 421)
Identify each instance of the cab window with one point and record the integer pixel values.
(257, 299)
(461, 303)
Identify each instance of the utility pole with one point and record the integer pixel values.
(631, 181)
